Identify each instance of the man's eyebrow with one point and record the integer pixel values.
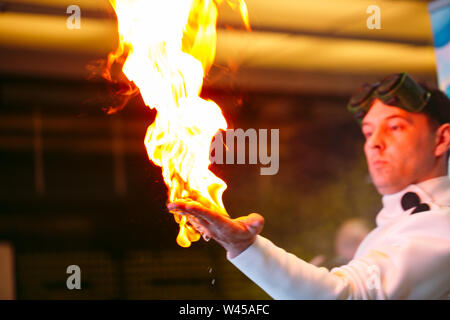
(399, 116)
(364, 123)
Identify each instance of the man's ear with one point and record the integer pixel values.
(442, 140)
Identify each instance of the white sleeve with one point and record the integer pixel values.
(284, 276)
(414, 263)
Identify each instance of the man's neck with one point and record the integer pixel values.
(434, 175)
(392, 190)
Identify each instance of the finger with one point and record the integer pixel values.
(176, 205)
(198, 211)
(179, 207)
(183, 205)
(198, 220)
(205, 228)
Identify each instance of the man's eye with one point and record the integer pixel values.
(396, 127)
(367, 134)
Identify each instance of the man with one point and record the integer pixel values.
(407, 256)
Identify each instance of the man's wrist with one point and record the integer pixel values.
(233, 250)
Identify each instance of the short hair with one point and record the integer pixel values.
(437, 108)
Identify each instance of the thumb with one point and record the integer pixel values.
(254, 222)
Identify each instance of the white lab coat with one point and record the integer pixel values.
(407, 256)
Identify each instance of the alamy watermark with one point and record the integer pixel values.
(374, 277)
(226, 151)
(374, 20)
(74, 20)
(74, 280)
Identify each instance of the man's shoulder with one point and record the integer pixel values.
(435, 222)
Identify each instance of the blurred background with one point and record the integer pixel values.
(77, 188)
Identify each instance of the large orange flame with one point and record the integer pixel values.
(170, 46)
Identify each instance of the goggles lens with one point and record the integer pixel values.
(389, 83)
(398, 90)
(362, 94)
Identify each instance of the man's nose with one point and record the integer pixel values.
(376, 140)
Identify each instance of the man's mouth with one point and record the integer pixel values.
(379, 163)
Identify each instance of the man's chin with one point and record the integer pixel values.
(386, 187)
(384, 183)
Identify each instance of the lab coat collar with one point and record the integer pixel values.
(434, 192)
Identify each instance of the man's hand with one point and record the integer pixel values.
(235, 235)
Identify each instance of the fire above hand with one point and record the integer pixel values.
(168, 46)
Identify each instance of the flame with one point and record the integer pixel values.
(168, 47)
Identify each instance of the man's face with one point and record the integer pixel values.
(399, 147)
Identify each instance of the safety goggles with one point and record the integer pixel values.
(398, 90)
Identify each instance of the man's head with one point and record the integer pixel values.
(404, 147)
